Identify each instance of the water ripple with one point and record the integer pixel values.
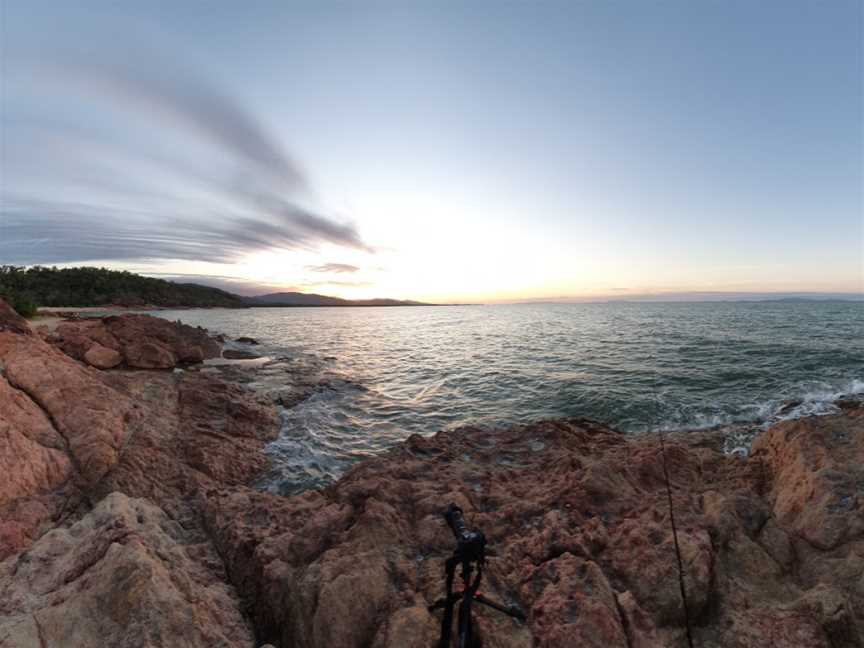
(634, 366)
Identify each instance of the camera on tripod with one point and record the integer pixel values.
(470, 554)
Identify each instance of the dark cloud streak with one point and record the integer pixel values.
(262, 193)
(37, 232)
(333, 268)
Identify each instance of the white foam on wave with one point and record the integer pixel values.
(814, 402)
(817, 402)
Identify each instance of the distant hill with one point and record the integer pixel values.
(26, 289)
(40, 286)
(288, 299)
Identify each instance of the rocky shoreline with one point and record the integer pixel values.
(127, 517)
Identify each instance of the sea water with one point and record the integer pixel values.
(635, 366)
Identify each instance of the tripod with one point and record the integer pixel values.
(470, 549)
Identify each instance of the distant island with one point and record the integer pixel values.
(27, 289)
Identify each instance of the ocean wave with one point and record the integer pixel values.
(383, 374)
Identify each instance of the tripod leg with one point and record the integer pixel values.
(466, 640)
(447, 619)
(466, 624)
(510, 610)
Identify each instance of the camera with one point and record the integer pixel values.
(471, 545)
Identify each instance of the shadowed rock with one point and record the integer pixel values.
(11, 321)
(142, 341)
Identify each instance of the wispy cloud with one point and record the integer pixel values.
(341, 284)
(333, 268)
(243, 192)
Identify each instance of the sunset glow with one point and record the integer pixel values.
(448, 154)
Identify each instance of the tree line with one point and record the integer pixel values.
(27, 288)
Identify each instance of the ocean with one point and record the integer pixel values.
(392, 372)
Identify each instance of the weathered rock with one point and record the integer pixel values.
(102, 357)
(75, 337)
(234, 354)
(247, 340)
(121, 576)
(126, 573)
(818, 470)
(143, 341)
(196, 432)
(90, 416)
(577, 515)
(33, 464)
(149, 355)
(578, 519)
(187, 343)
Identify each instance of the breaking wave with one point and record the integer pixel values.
(375, 376)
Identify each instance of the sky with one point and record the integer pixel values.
(442, 151)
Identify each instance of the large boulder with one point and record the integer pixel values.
(102, 357)
(121, 576)
(33, 463)
(90, 416)
(143, 341)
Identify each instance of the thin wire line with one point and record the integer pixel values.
(680, 562)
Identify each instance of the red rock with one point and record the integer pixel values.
(89, 415)
(75, 337)
(102, 357)
(185, 342)
(121, 576)
(195, 432)
(34, 465)
(32, 457)
(145, 342)
(818, 473)
(148, 355)
(577, 517)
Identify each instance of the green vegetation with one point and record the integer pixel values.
(26, 288)
(22, 304)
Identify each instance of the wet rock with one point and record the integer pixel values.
(234, 354)
(247, 340)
